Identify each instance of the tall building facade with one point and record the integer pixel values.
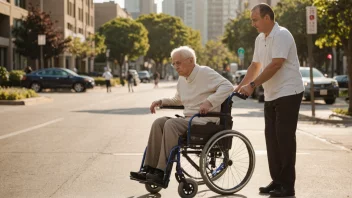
(219, 14)
(248, 4)
(139, 7)
(11, 13)
(174, 8)
(107, 11)
(195, 16)
(75, 18)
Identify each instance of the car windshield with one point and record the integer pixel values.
(70, 72)
(316, 73)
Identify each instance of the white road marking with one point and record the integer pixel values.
(30, 129)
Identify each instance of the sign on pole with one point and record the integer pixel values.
(311, 14)
(240, 53)
(41, 39)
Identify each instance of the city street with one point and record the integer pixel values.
(86, 144)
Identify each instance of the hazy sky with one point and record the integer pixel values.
(122, 3)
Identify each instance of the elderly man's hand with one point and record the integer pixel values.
(246, 90)
(156, 103)
(205, 107)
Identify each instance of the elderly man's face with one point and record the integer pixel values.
(182, 65)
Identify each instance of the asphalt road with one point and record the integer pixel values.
(85, 144)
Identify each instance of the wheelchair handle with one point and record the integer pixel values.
(242, 96)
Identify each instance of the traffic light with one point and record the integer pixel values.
(329, 56)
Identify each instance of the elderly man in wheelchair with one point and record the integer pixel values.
(201, 91)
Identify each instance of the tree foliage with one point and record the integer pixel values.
(337, 30)
(165, 33)
(240, 33)
(26, 36)
(125, 38)
(194, 41)
(93, 44)
(216, 55)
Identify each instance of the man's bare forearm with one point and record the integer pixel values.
(268, 72)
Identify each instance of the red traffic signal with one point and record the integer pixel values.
(329, 56)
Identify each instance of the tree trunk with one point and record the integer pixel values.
(121, 62)
(349, 70)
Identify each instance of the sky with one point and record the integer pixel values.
(122, 3)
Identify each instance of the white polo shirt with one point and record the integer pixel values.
(279, 44)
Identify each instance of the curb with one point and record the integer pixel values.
(344, 120)
(28, 101)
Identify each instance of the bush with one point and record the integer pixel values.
(341, 111)
(4, 76)
(15, 77)
(16, 93)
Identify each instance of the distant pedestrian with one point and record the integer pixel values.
(156, 79)
(28, 70)
(108, 76)
(130, 81)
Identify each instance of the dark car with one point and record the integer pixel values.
(326, 88)
(144, 76)
(56, 78)
(342, 80)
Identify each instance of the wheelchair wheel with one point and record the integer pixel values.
(236, 156)
(153, 189)
(189, 190)
(190, 164)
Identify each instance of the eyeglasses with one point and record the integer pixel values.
(178, 63)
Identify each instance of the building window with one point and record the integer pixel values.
(87, 18)
(20, 3)
(80, 14)
(17, 23)
(80, 30)
(91, 21)
(70, 26)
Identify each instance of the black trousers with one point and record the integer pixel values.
(281, 116)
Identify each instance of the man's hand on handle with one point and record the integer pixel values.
(155, 104)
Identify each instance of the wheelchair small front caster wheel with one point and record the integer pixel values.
(188, 190)
(153, 189)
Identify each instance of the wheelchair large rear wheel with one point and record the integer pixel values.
(234, 159)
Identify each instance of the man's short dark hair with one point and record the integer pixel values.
(265, 9)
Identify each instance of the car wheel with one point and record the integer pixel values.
(36, 86)
(329, 100)
(78, 87)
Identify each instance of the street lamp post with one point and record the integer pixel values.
(41, 42)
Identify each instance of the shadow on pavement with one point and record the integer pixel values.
(127, 111)
(157, 195)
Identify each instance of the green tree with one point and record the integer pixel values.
(125, 38)
(195, 42)
(165, 33)
(216, 55)
(240, 33)
(336, 16)
(26, 36)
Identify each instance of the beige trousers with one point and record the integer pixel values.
(163, 136)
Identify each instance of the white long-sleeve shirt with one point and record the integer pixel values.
(202, 84)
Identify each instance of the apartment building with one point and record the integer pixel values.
(107, 11)
(174, 8)
(219, 14)
(248, 4)
(196, 17)
(11, 12)
(139, 7)
(75, 18)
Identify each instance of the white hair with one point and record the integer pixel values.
(186, 52)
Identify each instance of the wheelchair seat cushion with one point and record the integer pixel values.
(200, 134)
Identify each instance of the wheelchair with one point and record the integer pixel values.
(211, 154)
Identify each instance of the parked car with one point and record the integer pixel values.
(136, 79)
(144, 76)
(56, 78)
(326, 88)
(239, 75)
(342, 80)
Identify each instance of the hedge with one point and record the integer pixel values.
(16, 93)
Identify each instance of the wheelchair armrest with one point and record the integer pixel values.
(215, 114)
(171, 107)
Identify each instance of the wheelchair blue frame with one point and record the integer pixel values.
(177, 148)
